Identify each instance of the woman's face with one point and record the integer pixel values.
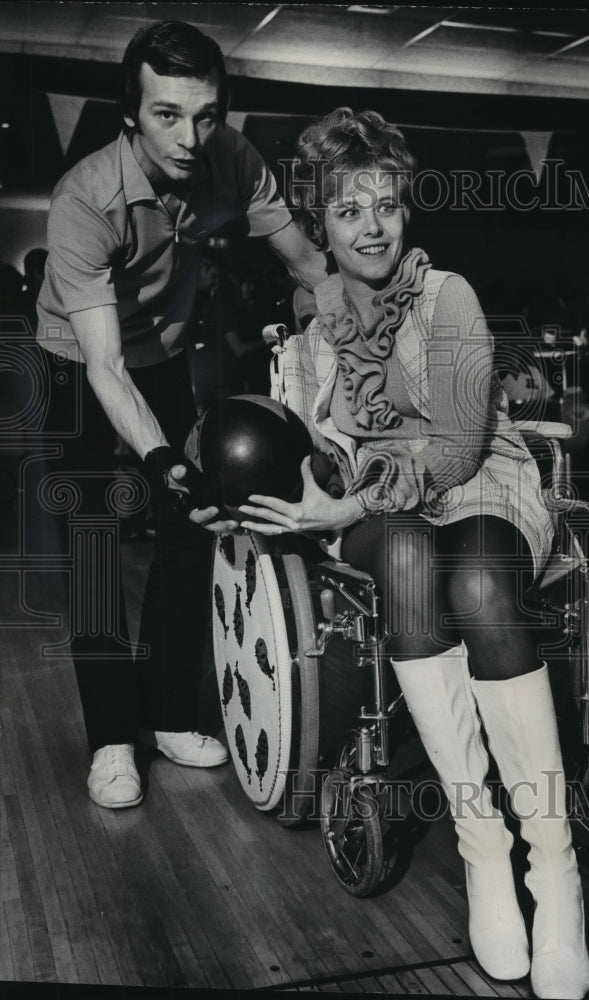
(365, 225)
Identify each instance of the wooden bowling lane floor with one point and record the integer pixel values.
(442, 979)
(195, 888)
(452, 978)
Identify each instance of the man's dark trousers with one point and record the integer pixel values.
(159, 691)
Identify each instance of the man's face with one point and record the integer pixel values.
(177, 116)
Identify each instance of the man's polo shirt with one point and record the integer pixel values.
(112, 242)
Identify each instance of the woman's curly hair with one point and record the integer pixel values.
(341, 142)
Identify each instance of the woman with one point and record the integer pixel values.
(443, 508)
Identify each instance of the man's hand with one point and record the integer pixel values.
(176, 486)
(180, 476)
(203, 517)
(178, 491)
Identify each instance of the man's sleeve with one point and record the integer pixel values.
(82, 244)
(258, 192)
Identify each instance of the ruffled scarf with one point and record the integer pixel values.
(362, 354)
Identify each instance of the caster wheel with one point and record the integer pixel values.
(346, 757)
(352, 833)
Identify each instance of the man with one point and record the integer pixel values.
(124, 233)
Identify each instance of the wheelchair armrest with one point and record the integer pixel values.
(275, 333)
(345, 573)
(543, 438)
(545, 428)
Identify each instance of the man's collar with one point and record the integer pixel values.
(135, 183)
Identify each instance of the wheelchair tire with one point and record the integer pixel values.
(263, 621)
(300, 791)
(352, 833)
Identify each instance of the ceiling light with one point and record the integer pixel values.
(479, 27)
(266, 20)
(571, 45)
(364, 8)
(421, 35)
(5, 125)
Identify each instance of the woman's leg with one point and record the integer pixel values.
(398, 551)
(432, 671)
(488, 569)
(515, 702)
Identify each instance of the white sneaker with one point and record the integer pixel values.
(113, 781)
(190, 749)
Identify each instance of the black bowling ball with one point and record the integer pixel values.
(252, 444)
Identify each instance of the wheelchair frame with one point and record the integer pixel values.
(351, 797)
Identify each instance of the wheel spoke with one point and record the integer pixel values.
(350, 866)
(356, 861)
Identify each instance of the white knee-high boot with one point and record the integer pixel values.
(438, 694)
(518, 715)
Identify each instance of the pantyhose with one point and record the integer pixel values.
(442, 584)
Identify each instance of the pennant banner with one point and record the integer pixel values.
(66, 115)
(537, 148)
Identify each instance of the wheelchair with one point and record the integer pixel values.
(312, 711)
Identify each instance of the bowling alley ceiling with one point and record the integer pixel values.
(465, 49)
(478, 86)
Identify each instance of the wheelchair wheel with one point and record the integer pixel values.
(299, 794)
(352, 833)
(262, 624)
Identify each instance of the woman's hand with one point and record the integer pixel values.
(317, 511)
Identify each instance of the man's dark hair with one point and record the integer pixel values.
(171, 48)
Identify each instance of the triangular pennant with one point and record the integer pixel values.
(537, 147)
(66, 115)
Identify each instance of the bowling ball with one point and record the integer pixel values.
(252, 444)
